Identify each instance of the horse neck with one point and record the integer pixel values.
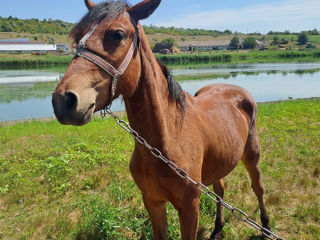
(150, 107)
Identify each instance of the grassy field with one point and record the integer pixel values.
(63, 182)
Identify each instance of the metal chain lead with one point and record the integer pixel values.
(239, 214)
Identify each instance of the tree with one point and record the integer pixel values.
(249, 43)
(302, 38)
(51, 40)
(235, 42)
(168, 40)
(276, 40)
(314, 32)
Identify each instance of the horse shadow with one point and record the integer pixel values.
(203, 235)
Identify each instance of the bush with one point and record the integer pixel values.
(302, 38)
(235, 42)
(168, 40)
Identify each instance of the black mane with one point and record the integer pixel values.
(175, 90)
(109, 11)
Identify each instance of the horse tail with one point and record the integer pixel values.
(250, 107)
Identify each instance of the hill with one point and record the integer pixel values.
(56, 31)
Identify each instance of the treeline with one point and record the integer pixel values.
(309, 32)
(181, 31)
(12, 24)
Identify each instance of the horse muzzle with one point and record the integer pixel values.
(69, 110)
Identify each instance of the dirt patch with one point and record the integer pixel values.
(74, 215)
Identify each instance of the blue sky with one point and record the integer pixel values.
(236, 15)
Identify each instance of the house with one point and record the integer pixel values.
(204, 45)
(63, 48)
(24, 45)
(165, 48)
(262, 45)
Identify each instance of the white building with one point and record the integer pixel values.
(23, 46)
(204, 45)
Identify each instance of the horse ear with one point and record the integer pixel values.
(89, 4)
(144, 9)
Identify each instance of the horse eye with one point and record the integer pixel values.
(118, 35)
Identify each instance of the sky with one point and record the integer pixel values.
(237, 15)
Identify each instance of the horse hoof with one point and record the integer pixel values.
(216, 236)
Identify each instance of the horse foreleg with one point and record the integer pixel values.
(189, 218)
(158, 216)
(218, 187)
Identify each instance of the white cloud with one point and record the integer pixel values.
(294, 15)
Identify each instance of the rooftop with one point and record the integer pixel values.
(204, 43)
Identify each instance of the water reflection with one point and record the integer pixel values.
(21, 92)
(27, 94)
(265, 87)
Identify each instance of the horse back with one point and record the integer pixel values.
(217, 98)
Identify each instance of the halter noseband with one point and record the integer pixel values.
(84, 52)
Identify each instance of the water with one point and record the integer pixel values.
(27, 94)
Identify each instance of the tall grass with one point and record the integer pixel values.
(17, 61)
(268, 56)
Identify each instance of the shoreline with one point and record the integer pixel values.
(123, 113)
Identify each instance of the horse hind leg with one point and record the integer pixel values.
(250, 160)
(218, 188)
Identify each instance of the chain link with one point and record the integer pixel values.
(239, 214)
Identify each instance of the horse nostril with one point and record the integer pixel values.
(71, 101)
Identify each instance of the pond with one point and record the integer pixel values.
(27, 94)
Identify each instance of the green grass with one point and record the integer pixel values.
(314, 39)
(63, 182)
(9, 93)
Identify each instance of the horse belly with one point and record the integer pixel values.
(227, 131)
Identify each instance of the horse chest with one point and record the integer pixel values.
(151, 175)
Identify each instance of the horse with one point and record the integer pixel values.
(207, 134)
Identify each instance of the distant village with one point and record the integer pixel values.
(191, 46)
(25, 45)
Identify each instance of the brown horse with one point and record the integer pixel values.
(206, 134)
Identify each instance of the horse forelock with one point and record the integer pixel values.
(108, 11)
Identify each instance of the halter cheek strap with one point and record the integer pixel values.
(82, 51)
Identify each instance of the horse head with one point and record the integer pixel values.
(107, 61)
